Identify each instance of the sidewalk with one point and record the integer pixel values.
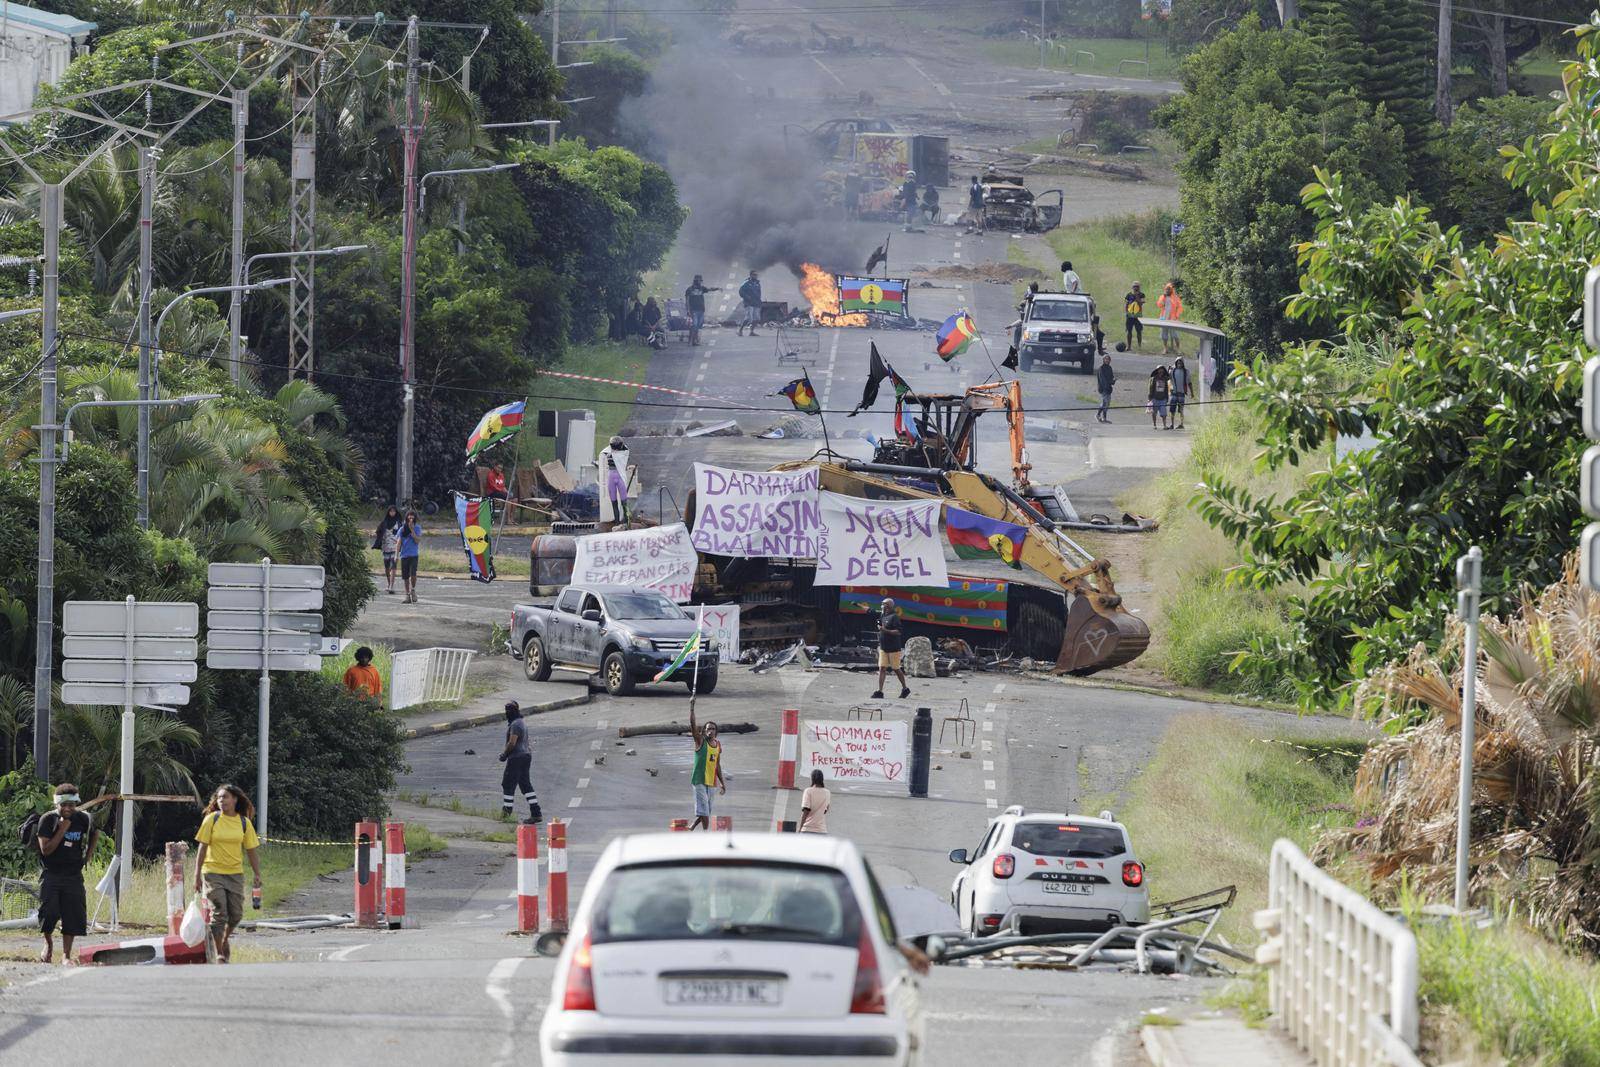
(1215, 1040)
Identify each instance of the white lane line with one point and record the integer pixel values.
(487, 915)
(988, 727)
(588, 764)
(833, 356)
(989, 784)
(575, 802)
(826, 71)
(702, 376)
(958, 256)
(601, 725)
(594, 744)
(345, 953)
(988, 746)
(991, 802)
(583, 783)
(498, 989)
(1000, 687)
(988, 709)
(501, 907)
(988, 764)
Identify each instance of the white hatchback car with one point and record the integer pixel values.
(732, 949)
(1048, 872)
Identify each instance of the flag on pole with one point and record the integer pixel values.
(884, 295)
(495, 426)
(955, 335)
(975, 536)
(691, 647)
(802, 395)
(475, 517)
(877, 371)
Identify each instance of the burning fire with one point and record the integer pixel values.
(821, 289)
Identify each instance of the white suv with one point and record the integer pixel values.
(1048, 872)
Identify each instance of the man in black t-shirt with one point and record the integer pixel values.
(66, 838)
(694, 299)
(891, 642)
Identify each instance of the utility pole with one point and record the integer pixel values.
(1469, 586)
(1442, 108)
(50, 211)
(555, 34)
(1041, 34)
(147, 192)
(461, 197)
(408, 271)
(241, 116)
(303, 218)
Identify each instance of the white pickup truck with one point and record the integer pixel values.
(619, 634)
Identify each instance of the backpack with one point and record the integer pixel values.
(28, 831)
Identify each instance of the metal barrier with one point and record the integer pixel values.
(1083, 52)
(1343, 979)
(1145, 63)
(427, 675)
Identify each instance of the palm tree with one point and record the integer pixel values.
(317, 415)
(88, 748)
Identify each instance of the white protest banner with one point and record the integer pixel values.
(658, 558)
(859, 751)
(755, 513)
(879, 542)
(720, 622)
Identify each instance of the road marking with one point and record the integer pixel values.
(498, 988)
(991, 802)
(826, 71)
(989, 784)
(702, 376)
(988, 727)
(988, 746)
(575, 802)
(958, 256)
(588, 764)
(1000, 687)
(594, 744)
(345, 953)
(583, 783)
(988, 709)
(602, 724)
(501, 907)
(988, 764)
(487, 915)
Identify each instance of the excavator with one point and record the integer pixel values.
(937, 462)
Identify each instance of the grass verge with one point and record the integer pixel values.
(1108, 53)
(612, 404)
(436, 561)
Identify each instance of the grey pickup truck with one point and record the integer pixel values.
(620, 634)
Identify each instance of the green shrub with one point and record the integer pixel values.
(21, 794)
(1208, 624)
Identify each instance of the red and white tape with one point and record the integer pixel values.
(644, 385)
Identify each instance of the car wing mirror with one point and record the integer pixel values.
(591, 615)
(958, 855)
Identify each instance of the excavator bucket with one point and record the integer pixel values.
(1097, 638)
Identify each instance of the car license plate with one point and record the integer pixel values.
(722, 992)
(1077, 888)
(1059, 351)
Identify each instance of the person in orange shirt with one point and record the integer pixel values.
(1171, 305)
(363, 678)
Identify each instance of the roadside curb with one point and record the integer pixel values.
(1198, 696)
(490, 718)
(1219, 1042)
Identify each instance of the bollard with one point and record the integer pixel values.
(557, 889)
(395, 872)
(168, 949)
(788, 748)
(366, 908)
(377, 872)
(527, 879)
(177, 855)
(678, 824)
(722, 822)
(921, 751)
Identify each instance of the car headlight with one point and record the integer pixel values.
(1032, 333)
(642, 644)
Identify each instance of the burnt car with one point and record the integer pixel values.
(1008, 205)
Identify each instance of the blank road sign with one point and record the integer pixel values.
(250, 641)
(249, 575)
(251, 661)
(168, 648)
(109, 617)
(101, 693)
(251, 621)
(231, 599)
(110, 670)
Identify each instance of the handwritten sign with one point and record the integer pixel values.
(721, 623)
(755, 513)
(854, 751)
(879, 542)
(659, 558)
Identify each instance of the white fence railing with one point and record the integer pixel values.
(1344, 974)
(427, 675)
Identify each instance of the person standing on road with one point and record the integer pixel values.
(1133, 306)
(707, 774)
(226, 836)
(814, 804)
(386, 539)
(1159, 396)
(410, 555)
(750, 295)
(891, 642)
(908, 199)
(1170, 305)
(1070, 282)
(1182, 389)
(65, 839)
(975, 200)
(518, 758)
(1105, 378)
(694, 298)
(362, 678)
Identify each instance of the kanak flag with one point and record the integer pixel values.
(495, 426)
(955, 335)
(976, 536)
(883, 295)
(476, 519)
(802, 395)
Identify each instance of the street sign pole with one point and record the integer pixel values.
(125, 819)
(1469, 584)
(264, 696)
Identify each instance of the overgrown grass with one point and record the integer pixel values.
(452, 803)
(1109, 265)
(1208, 807)
(439, 561)
(1108, 53)
(1202, 620)
(611, 404)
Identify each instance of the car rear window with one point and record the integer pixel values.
(1066, 839)
(714, 900)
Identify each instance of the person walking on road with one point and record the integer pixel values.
(362, 678)
(1104, 378)
(1070, 282)
(1159, 397)
(707, 774)
(975, 202)
(908, 200)
(1182, 388)
(1170, 306)
(1133, 306)
(226, 836)
(750, 295)
(410, 555)
(814, 804)
(694, 298)
(891, 642)
(65, 839)
(518, 758)
(386, 539)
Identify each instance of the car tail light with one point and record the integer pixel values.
(867, 998)
(1132, 874)
(580, 980)
(1005, 865)
(990, 922)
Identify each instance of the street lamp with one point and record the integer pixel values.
(66, 423)
(7, 315)
(153, 386)
(422, 186)
(235, 343)
(550, 123)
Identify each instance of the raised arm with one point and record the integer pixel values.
(694, 728)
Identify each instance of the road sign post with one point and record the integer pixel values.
(257, 621)
(134, 655)
(1469, 586)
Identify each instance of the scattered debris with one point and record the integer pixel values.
(470, 752)
(997, 273)
(1037, 429)
(724, 428)
(652, 772)
(631, 752)
(918, 658)
(599, 761)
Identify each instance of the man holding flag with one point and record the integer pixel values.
(707, 769)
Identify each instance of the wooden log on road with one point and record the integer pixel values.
(683, 728)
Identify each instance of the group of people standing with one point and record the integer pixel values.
(1169, 307)
(399, 538)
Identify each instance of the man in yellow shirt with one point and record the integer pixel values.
(226, 836)
(363, 678)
